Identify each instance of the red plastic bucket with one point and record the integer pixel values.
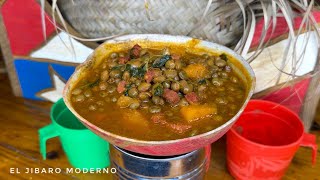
(264, 140)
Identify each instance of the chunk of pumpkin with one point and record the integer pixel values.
(196, 71)
(197, 111)
(133, 119)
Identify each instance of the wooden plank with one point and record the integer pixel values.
(8, 59)
(2, 65)
(17, 165)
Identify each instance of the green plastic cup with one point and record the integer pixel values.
(84, 149)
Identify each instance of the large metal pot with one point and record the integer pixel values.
(169, 147)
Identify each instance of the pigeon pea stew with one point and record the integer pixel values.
(159, 94)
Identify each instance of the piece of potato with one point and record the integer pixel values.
(197, 111)
(196, 71)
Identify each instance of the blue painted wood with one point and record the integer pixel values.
(34, 76)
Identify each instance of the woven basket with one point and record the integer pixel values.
(100, 18)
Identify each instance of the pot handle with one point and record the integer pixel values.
(309, 140)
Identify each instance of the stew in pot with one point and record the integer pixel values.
(156, 94)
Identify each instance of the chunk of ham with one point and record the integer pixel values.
(121, 86)
(171, 96)
(177, 128)
(123, 60)
(159, 118)
(135, 51)
(149, 76)
(192, 98)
